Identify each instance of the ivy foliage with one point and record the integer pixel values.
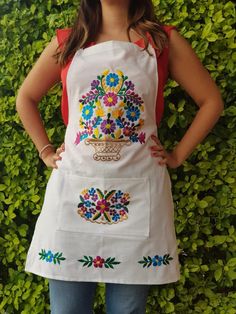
(203, 187)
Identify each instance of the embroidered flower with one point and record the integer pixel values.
(87, 203)
(102, 206)
(129, 85)
(87, 112)
(88, 214)
(108, 126)
(142, 137)
(110, 99)
(94, 84)
(86, 196)
(133, 113)
(112, 79)
(116, 217)
(98, 262)
(49, 257)
(92, 191)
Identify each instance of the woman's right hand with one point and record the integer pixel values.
(51, 157)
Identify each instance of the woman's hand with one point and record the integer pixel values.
(167, 157)
(51, 157)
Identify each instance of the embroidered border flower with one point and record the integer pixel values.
(87, 112)
(50, 257)
(155, 261)
(98, 262)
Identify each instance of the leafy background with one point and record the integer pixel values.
(203, 187)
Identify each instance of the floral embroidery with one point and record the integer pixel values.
(98, 262)
(111, 115)
(50, 257)
(157, 260)
(107, 208)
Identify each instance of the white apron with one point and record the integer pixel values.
(108, 213)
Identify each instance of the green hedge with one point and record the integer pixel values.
(203, 187)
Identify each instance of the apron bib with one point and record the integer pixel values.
(108, 213)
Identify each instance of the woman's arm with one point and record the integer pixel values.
(186, 69)
(44, 74)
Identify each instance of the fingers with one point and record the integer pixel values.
(158, 151)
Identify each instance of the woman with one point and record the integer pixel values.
(108, 210)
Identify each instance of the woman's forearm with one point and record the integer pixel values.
(203, 122)
(32, 122)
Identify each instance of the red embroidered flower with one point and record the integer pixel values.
(102, 206)
(98, 262)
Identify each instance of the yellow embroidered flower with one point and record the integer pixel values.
(141, 122)
(116, 113)
(96, 132)
(98, 103)
(127, 196)
(121, 104)
(142, 108)
(84, 191)
(80, 107)
(119, 72)
(117, 133)
(99, 112)
(105, 72)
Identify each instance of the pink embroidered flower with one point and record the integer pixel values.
(110, 99)
(86, 196)
(98, 262)
(122, 212)
(141, 137)
(103, 206)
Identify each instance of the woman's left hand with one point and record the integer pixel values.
(167, 157)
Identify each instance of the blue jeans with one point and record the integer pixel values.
(72, 297)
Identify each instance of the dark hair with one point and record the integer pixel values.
(141, 16)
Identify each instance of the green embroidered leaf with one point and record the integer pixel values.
(107, 216)
(110, 194)
(81, 198)
(100, 194)
(96, 216)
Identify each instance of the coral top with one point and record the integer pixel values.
(162, 64)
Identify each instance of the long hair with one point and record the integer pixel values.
(87, 25)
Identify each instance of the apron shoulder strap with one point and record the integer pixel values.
(163, 74)
(62, 35)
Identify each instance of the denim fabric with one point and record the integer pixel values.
(72, 297)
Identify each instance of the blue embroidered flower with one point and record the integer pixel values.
(112, 79)
(116, 217)
(118, 205)
(92, 191)
(49, 257)
(157, 260)
(88, 215)
(87, 203)
(133, 113)
(87, 112)
(118, 194)
(134, 138)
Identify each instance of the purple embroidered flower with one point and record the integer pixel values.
(129, 85)
(94, 84)
(110, 99)
(94, 197)
(108, 126)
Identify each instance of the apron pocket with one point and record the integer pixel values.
(118, 207)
